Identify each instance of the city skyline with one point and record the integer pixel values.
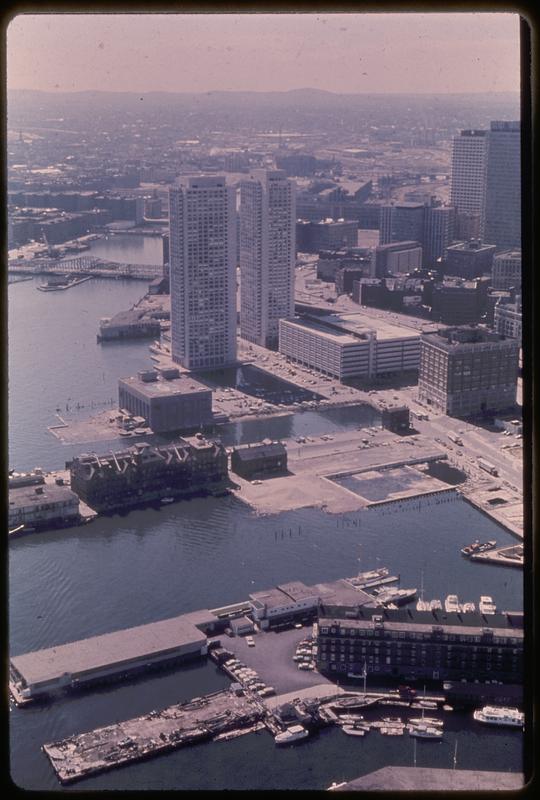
(430, 53)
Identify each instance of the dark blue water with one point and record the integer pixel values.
(151, 564)
(128, 248)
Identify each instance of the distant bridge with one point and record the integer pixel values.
(85, 265)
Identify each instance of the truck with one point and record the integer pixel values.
(455, 438)
(487, 466)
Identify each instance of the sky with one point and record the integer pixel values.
(372, 53)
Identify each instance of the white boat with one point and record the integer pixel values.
(467, 608)
(451, 604)
(290, 735)
(425, 732)
(166, 500)
(497, 715)
(486, 605)
(431, 721)
(352, 731)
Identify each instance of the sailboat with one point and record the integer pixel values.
(425, 728)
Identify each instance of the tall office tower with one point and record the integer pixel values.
(401, 222)
(503, 186)
(439, 230)
(202, 272)
(468, 182)
(267, 254)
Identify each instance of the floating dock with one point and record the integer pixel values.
(505, 556)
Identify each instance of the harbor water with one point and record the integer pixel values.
(146, 565)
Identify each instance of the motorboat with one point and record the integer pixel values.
(486, 605)
(425, 731)
(352, 731)
(451, 604)
(292, 734)
(497, 715)
(431, 721)
(478, 547)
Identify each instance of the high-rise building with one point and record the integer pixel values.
(202, 272)
(468, 181)
(439, 229)
(468, 371)
(267, 254)
(503, 186)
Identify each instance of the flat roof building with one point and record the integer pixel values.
(506, 270)
(468, 259)
(467, 371)
(255, 459)
(453, 646)
(167, 401)
(69, 665)
(42, 506)
(348, 346)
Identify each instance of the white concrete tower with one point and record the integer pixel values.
(468, 182)
(203, 272)
(267, 254)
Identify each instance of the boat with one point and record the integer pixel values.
(468, 608)
(16, 530)
(497, 715)
(352, 731)
(451, 604)
(392, 720)
(166, 500)
(486, 605)
(425, 732)
(392, 730)
(478, 547)
(290, 735)
(431, 721)
(397, 596)
(424, 704)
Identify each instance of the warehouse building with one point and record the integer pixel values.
(289, 603)
(430, 645)
(345, 347)
(165, 400)
(259, 459)
(468, 371)
(110, 655)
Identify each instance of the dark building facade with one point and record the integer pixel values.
(143, 473)
(468, 259)
(345, 277)
(467, 371)
(327, 234)
(396, 419)
(259, 459)
(459, 302)
(429, 645)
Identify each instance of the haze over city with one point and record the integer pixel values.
(265, 402)
(343, 53)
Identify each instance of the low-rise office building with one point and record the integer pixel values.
(468, 371)
(345, 346)
(165, 400)
(507, 317)
(327, 234)
(396, 257)
(412, 645)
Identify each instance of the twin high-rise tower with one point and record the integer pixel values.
(203, 261)
(486, 184)
(267, 254)
(202, 255)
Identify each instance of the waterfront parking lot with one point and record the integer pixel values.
(272, 657)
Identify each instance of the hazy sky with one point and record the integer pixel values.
(456, 52)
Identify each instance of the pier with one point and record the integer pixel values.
(85, 265)
(200, 719)
(505, 556)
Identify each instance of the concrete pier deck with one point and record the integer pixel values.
(159, 731)
(508, 556)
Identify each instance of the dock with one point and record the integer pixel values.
(203, 718)
(505, 556)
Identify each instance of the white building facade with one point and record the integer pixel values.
(267, 254)
(203, 272)
(468, 181)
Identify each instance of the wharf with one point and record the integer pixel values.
(200, 719)
(502, 506)
(508, 556)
